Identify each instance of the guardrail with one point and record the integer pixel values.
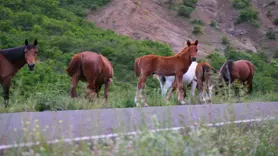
(17, 129)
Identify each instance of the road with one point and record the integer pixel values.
(80, 123)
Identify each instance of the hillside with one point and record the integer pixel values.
(62, 31)
(152, 19)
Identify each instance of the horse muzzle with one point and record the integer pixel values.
(193, 59)
(31, 66)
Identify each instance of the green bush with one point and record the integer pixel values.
(197, 30)
(213, 24)
(185, 11)
(247, 15)
(275, 21)
(271, 35)
(190, 3)
(225, 40)
(197, 22)
(241, 4)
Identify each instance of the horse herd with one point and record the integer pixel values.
(176, 71)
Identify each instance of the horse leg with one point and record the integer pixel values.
(139, 90)
(167, 85)
(74, 82)
(249, 83)
(107, 84)
(6, 88)
(98, 88)
(173, 88)
(179, 86)
(193, 87)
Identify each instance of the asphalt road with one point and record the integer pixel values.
(23, 127)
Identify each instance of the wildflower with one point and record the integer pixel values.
(60, 121)
(15, 129)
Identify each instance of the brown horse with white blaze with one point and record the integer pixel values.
(241, 70)
(12, 60)
(93, 68)
(175, 65)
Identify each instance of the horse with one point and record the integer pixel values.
(241, 70)
(201, 80)
(12, 60)
(93, 68)
(175, 65)
(167, 81)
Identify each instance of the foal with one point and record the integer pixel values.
(167, 81)
(166, 66)
(202, 80)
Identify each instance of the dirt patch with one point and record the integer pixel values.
(152, 20)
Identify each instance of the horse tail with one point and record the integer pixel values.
(136, 67)
(252, 67)
(74, 65)
(229, 64)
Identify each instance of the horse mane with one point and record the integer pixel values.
(182, 50)
(227, 73)
(16, 53)
(74, 65)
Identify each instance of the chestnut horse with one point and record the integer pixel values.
(175, 65)
(12, 60)
(93, 68)
(241, 70)
(202, 80)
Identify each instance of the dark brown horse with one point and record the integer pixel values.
(93, 68)
(13, 59)
(175, 65)
(241, 70)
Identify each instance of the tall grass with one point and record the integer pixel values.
(252, 139)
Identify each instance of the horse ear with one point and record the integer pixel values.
(35, 42)
(26, 42)
(196, 42)
(188, 43)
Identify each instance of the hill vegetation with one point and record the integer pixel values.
(62, 31)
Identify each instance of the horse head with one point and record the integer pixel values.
(31, 52)
(192, 49)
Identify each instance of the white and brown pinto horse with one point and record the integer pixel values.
(198, 75)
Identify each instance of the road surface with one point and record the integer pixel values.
(23, 127)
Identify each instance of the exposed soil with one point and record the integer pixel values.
(152, 19)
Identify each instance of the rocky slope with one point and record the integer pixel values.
(152, 19)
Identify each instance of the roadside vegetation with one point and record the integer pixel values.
(62, 31)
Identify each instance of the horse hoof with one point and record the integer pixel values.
(183, 103)
(145, 105)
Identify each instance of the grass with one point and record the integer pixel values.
(260, 138)
(57, 100)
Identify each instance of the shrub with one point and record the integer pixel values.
(213, 24)
(190, 3)
(197, 30)
(275, 21)
(197, 22)
(225, 40)
(247, 14)
(269, 13)
(275, 54)
(271, 35)
(185, 11)
(241, 4)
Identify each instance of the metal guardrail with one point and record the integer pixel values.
(19, 129)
